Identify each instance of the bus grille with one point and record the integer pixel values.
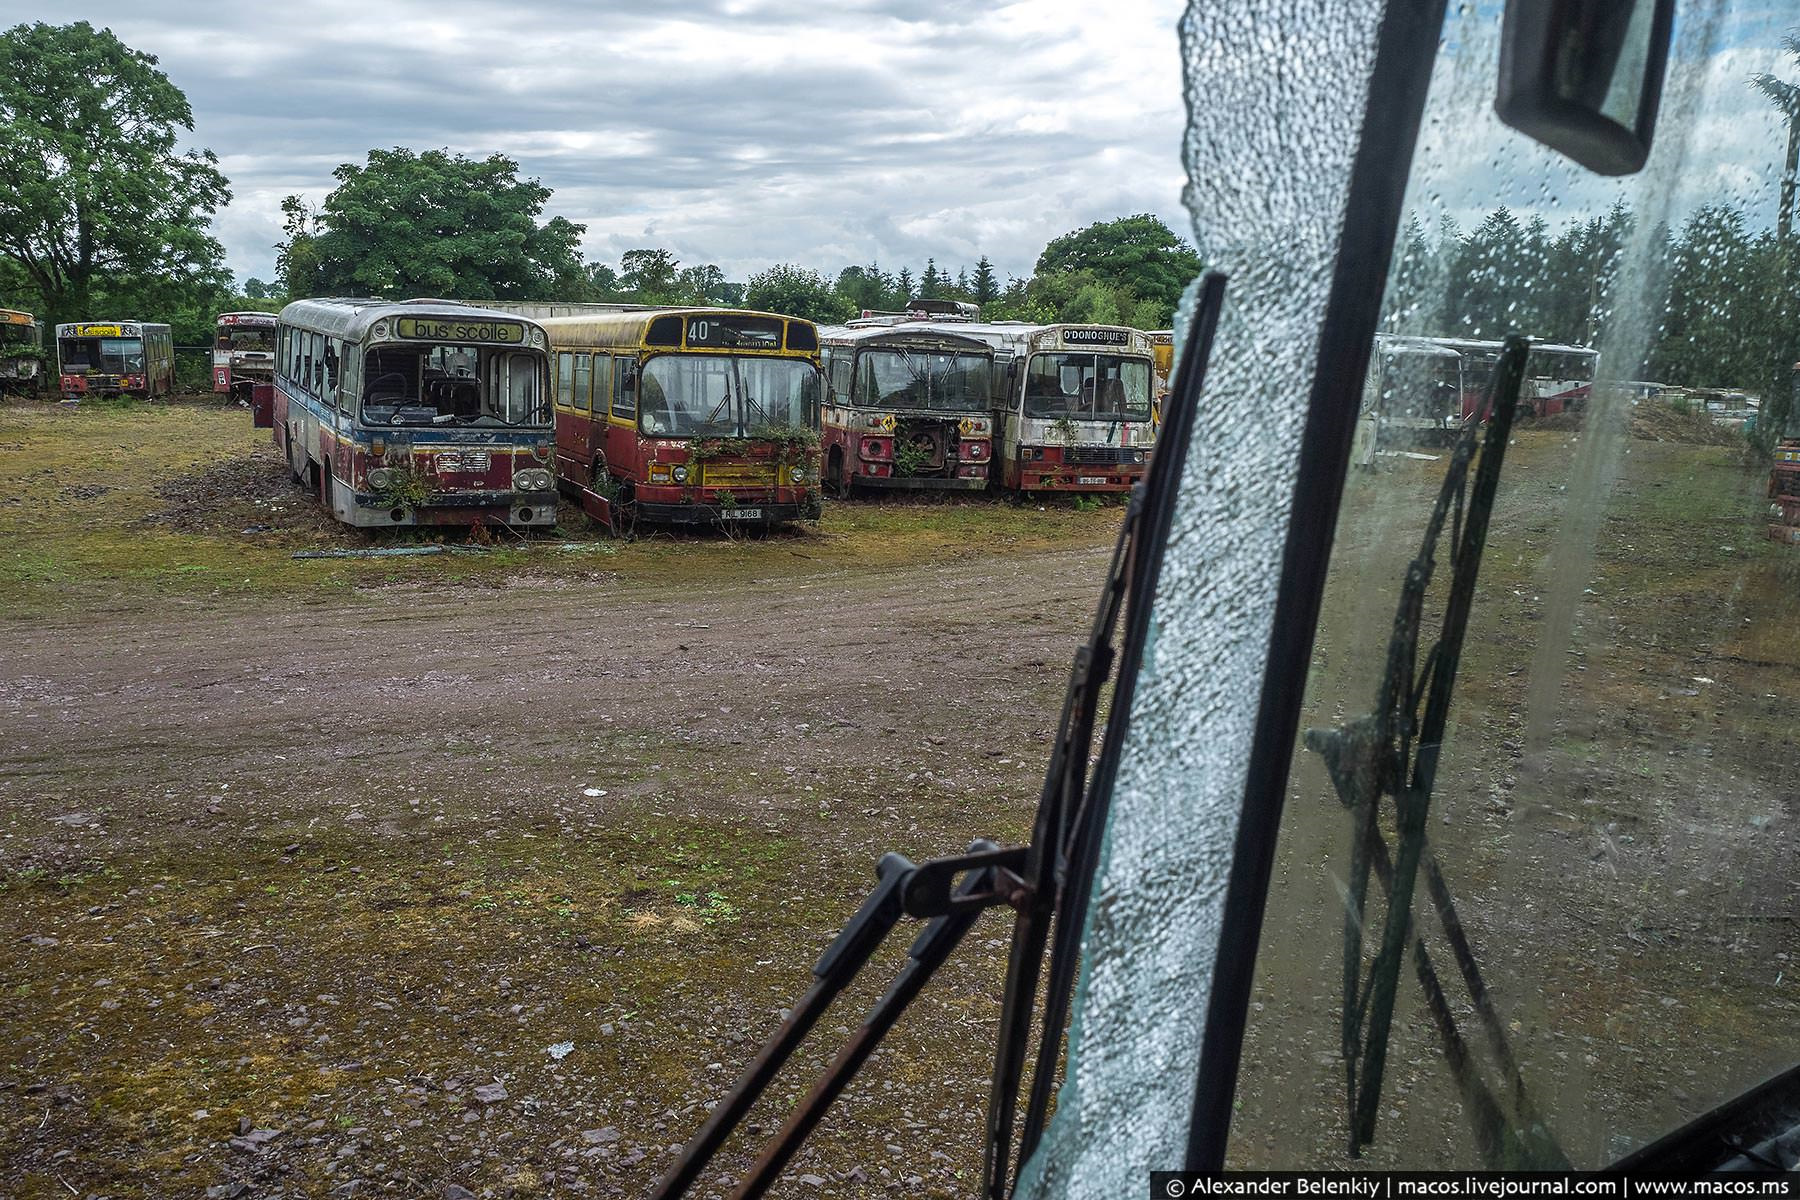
(462, 460)
(1093, 454)
(737, 475)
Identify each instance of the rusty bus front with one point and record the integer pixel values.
(21, 352)
(688, 416)
(419, 413)
(114, 358)
(243, 352)
(907, 406)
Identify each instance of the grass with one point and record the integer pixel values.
(81, 526)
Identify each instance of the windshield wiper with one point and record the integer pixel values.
(1394, 751)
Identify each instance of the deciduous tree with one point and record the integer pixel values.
(96, 193)
(439, 224)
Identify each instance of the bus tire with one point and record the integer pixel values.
(622, 519)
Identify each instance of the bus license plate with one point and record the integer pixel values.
(1090, 479)
(740, 514)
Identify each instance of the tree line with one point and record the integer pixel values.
(118, 223)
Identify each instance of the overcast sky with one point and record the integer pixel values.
(738, 132)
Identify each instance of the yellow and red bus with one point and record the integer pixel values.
(115, 358)
(243, 352)
(427, 412)
(688, 416)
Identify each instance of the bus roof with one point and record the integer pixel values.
(912, 333)
(114, 328)
(632, 325)
(247, 318)
(12, 316)
(1392, 343)
(1468, 344)
(351, 318)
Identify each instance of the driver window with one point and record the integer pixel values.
(624, 391)
(565, 373)
(584, 382)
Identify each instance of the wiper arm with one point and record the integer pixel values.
(1394, 750)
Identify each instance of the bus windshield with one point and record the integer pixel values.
(1092, 387)
(111, 356)
(18, 335)
(1417, 386)
(246, 337)
(902, 378)
(447, 384)
(717, 395)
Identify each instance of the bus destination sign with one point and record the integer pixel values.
(99, 331)
(453, 329)
(1095, 337)
(735, 332)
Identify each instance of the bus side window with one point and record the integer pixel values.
(306, 360)
(330, 393)
(565, 369)
(624, 390)
(350, 386)
(584, 382)
(840, 378)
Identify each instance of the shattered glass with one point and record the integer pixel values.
(1255, 185)
(1615, 817)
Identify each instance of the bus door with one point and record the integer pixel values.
(616, 397)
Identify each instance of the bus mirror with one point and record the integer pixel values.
(1584, 77)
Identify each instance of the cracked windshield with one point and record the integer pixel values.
(1596, 839)
(565, 572)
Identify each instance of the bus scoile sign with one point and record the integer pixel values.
(444, 329)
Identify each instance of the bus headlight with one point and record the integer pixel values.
(1137, 456)
(533, 479)
(679, 474)
(381, 478)
(797, 474)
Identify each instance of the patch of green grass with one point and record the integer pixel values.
(86, 486)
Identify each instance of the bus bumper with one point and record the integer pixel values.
(525, 510)
(747, 512)
(926, 483)
(1078, 479)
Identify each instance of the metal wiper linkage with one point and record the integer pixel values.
(1394, 751)
(1047, 880)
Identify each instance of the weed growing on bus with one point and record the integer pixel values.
(910, 458)
(1063, 430)
(406, 489)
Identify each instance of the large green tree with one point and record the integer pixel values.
(94, 195)
(439, 224)
(1138, 255)
(797, 292)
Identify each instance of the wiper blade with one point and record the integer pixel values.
(1394, 751)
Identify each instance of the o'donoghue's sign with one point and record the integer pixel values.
(1095, 337)
(456, 329)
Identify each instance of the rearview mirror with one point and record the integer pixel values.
(1584, 77)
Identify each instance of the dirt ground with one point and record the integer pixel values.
(310, 884)
(488, 871)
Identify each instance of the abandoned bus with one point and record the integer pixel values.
(243, 352)
(115, 358)
(1074, 404)
(21, 350)
(1558, 378)
(687, 416)
(422, 413)
(1784, 476)
(907, 407)
(1413, 392)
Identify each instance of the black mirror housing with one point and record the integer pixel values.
(1585, 77)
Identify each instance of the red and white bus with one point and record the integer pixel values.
(907, 406)
(243, 352)
(1558, 378)
(421, 413)
(688, 416)
(1073, 403)
(115, 358)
